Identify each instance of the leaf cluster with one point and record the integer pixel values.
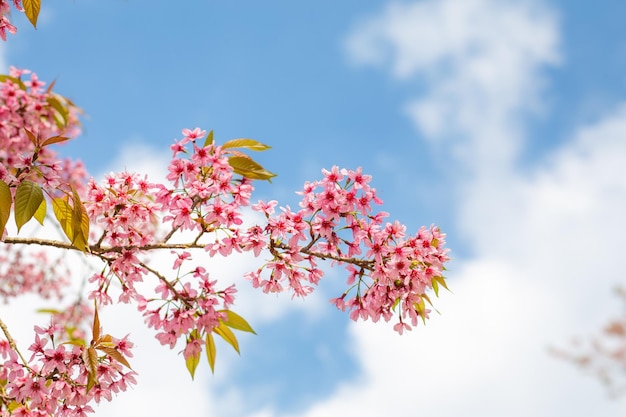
(223, 329)
(241, 163)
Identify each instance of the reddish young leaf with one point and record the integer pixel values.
(90, 359)
(95, 330)
(32, 137)
(54, 139)
(115, 354)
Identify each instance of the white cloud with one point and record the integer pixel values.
(478, 61)
(4, 67)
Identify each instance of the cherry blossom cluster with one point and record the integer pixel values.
(196, 213)
(136, 217)
(25, 105)
(602, 354)
(53, 382)
(5, 23)
(33, 272)
(386, 268)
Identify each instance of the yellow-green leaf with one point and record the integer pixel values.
(20, 83)
(5, 205)
(441, 281)
(251, 144)
(75, 342)
(76, 232)
(235, 321)
(28, 197)
(61, 110)
(210, 351)
(80, 223)
(427, 298)
(209, 139)
(14, 405)
(420, 307)
(63, 213)
(227, 335)
(40, 214)
(435, 287)
(192, 363)
(31, 9)
(244, 165)
(48, 311)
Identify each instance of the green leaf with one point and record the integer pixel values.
(40, 214)
(28, 197)
(235, 321)
(227, 335)
(54, 139)
(6, 200)
(244, 165)
(251, 144)
(209, 139)
(31, 9)
(435, 287)
(210, 351)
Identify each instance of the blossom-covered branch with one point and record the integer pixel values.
(197, 212)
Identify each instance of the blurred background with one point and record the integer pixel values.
(503, 122)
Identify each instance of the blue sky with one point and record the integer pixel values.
(501, 121)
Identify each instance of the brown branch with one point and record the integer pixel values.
(12, 344)
(362, 263)
(168, 283)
